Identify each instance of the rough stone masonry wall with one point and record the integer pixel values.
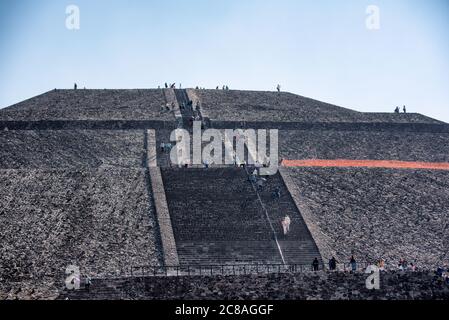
(360, 145)
(91, 105)
(71, 149)
(235, 105)
(306, 286)
(100, 220)
(376, 213)
(72, 196)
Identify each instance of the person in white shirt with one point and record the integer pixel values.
(286, 225)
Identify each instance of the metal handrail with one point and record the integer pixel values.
(224, 270)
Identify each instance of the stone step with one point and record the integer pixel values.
(217, 218)
(298, 246)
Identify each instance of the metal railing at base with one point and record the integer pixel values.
(230, 270)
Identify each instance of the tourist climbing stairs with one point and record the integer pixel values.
(217, 218)
(297, 246)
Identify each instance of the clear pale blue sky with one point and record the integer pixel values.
(319, 49)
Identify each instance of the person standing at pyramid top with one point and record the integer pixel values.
(278, 88)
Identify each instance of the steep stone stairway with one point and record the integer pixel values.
(298, 246)
(163, 157)
(187, 111)
(217, 218)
